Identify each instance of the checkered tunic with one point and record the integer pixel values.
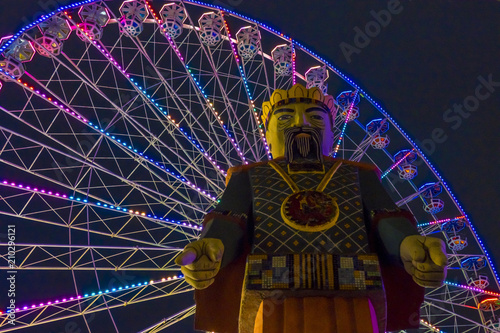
(273, 235)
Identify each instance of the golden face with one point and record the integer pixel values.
(298, 115)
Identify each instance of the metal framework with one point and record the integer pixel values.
(125, 120)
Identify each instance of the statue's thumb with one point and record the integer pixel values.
(417, 252)
(188, 256)
(214, 252)
(437, 256)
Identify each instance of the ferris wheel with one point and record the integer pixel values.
(119, 121)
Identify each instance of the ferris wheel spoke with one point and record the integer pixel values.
(171, 132)
(217, 69)
(167, 322)
(133, 191)
(33, 204)
(90, 258)
(90, 139)
(249, 37)
(171, 141)
(43, 313)
(183, 108)
(187, 117)
(441, 315)
(189, 74)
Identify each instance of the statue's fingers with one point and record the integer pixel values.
(430, 275)
(203, 264)
(199, 275)
(214, 250)
(427, 283)
(429, 266)
(437, 253)
(198, 284)
(409, 268)
(186, 257)
(417, 252)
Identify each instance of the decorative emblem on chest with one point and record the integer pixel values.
(309, 210)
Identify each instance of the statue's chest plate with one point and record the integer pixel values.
(307, 221)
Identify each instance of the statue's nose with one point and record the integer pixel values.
(301, 120)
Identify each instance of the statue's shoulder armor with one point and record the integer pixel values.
(246, 168)
(360, 165)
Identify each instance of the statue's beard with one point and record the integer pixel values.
(303, 144)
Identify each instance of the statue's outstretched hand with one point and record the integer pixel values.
(424, 259)
(201, 261)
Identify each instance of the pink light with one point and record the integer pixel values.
(399, 162)
(474, 289)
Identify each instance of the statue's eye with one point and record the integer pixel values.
(317, 117)
(285, 117)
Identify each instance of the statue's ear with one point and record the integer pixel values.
(266, 109)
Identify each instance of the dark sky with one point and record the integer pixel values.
(426, 62)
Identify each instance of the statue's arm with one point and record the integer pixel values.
(396, 238)
(388, 224)
(229, 221)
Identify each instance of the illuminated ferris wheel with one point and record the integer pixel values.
(118, 123)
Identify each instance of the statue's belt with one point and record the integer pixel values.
(358, 272)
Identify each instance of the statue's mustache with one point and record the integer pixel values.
(303, 143)
(302, 139)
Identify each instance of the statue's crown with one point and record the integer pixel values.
(297, 94)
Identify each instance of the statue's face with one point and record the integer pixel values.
(298, 115)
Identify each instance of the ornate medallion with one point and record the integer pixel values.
(310, 210)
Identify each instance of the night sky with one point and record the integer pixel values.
(422, 67)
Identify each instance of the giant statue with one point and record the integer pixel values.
(308, 243)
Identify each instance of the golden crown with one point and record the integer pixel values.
(297, 94)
